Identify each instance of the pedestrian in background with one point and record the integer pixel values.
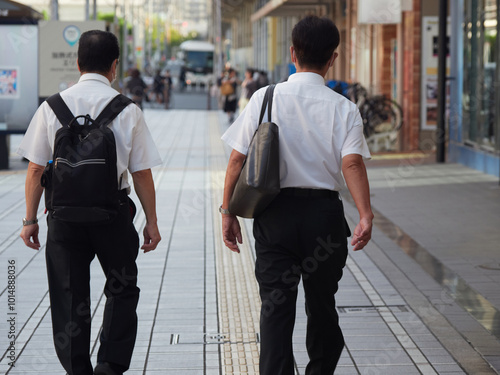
(262, 81)
(136, 87)
(217, 91)
(228, 89)
(159, 86)
(182, 79)
(72, 246)
(303, 232)
(248, 88)
(167, 88)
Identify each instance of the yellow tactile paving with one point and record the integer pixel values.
(237, 290)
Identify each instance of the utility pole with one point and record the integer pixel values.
(94, 10)
(54, 10)
(150, 35)
(158, 30)
(115, 19)
(442, 51)
(87, 6)
(125, 35)
(133, 18)
(218, 39)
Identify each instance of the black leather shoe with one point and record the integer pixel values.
(107, 368)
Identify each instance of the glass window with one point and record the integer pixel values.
(480, 72)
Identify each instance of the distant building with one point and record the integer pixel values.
(71, 10)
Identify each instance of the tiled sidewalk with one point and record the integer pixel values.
(199, 306)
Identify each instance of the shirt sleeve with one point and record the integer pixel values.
(240, 133)
(355, 142)
(35, 145)
(144, 154)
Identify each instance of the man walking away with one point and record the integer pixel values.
(72, 246)
(303, 232)
(136, 87)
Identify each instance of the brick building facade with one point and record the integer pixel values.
(384, 57)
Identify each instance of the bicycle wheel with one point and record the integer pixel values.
(356, 92)
(382, 115)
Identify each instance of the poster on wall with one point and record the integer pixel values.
(58, 54)
(9, 82)
(429, 90)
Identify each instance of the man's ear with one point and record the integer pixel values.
(292, 55)
(78, 66)
(333, 58)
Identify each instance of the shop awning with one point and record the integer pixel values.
(231, 8)
(13, 12)
(288, 8)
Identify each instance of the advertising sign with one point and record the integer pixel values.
(9, 84)
(380, 11)
(428, 105)
(58, 54)
(18, 75)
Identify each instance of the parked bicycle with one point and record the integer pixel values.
(380, 114)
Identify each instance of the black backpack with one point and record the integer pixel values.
(81, 179)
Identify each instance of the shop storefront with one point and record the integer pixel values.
(474, 136)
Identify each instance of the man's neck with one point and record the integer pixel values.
(321, 72)
(108, 76)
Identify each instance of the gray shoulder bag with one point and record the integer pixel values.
(259, 180)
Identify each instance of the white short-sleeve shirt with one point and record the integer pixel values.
(135, 148)
(317, 128)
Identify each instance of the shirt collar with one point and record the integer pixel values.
(94, 77)
(307, 77)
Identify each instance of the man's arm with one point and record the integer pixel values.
(33, 192)
(231, 231)
(145, 189)
(355, 176)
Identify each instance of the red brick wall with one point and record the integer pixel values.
(385, 34)
(411, 78)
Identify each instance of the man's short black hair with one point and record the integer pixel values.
(314, 40)
(97, 50)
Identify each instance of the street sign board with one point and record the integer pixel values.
(58, 54)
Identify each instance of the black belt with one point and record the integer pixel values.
(309, 193)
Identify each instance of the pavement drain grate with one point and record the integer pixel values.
(360, 309)
(174, 339)
(215, 338)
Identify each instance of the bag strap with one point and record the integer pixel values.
(61, 110)
(113, 109)
(267, 102)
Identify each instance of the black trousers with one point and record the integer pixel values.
(300, 237)
(70, 250)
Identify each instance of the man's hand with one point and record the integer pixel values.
(145, 189)
(151, 237)
(362, 234)
(231, 232)
(31, 232)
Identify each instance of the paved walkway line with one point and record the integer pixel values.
(237, 290)
(390, 319)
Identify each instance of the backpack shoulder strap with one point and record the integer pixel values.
(61, 110)
(113, 109)
(267, 102)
